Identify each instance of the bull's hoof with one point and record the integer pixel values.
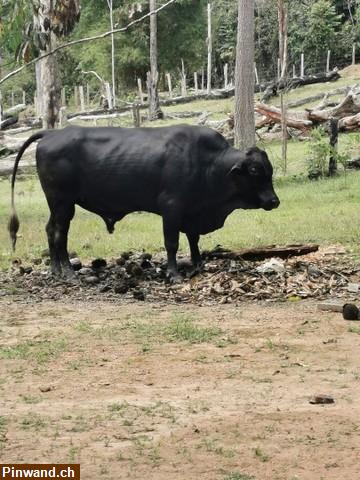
(68, 274)
(174, 277)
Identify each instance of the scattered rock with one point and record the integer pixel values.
(37, 261)
(133, 268)
(126, 255)
(273, 265)
(139, 295)
(353, 287)
(76, 264)
(351, 312)
(120, 261)
(91, 280)
(321, 400)
(98, 263)
(121, 287)
(25, 270)
(45, 253)
(46, 388)
(85, 271)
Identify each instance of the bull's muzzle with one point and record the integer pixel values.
(270, 204)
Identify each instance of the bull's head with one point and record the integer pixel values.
(252, 176)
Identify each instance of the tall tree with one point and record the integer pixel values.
(153, 76)
(51, 20)
(244, 129)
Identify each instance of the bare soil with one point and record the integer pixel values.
(147, 390)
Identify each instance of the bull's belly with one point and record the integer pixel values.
(204, 223)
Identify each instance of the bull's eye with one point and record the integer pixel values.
(253, 171)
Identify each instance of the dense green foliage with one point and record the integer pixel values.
(314, 27)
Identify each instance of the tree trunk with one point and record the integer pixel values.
(209, 46)
(111, 13)
(48, 88)
(244, 77)
(153, 76)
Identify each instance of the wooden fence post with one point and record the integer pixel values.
(63, 97)
(168, 79)
(24, 97)
(141, 94)
(334, 132)
(108, 95)
(196, 86)
(226, 76)
(302, 66)
(353, 54)
(76, 97)
(202, 79)
(328, 61)
(88, 96)
(82, 98)
(12, 98)
(294, 71)
(136, 114)
(183, 79)
(256, 74)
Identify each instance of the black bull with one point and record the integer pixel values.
(189, 175)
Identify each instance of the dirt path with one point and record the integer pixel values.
(180, 392)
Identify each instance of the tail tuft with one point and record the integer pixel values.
(13, 227)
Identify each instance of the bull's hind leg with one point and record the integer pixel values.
(193, 240)
(57, 230)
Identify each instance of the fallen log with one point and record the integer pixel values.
(350, 123)
(263, 252)
(273, 114)
(347, 107)
(274, 88)
(8, 122)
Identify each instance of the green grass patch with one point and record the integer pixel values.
(39, 351)
(238, 476)
(3, 430)
(183, 329)
(354, 330)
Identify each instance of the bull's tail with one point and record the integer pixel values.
(13, 224)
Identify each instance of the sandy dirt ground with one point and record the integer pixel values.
(147, 390)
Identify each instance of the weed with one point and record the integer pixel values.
(33, 421)
(42, 351)
(30, 399)
(354, 330)
(73, 453)
(238, 476)
(182, 328)
(3, 429)
(262, 456)
(83, 327)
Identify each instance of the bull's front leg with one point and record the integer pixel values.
(171, 238)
